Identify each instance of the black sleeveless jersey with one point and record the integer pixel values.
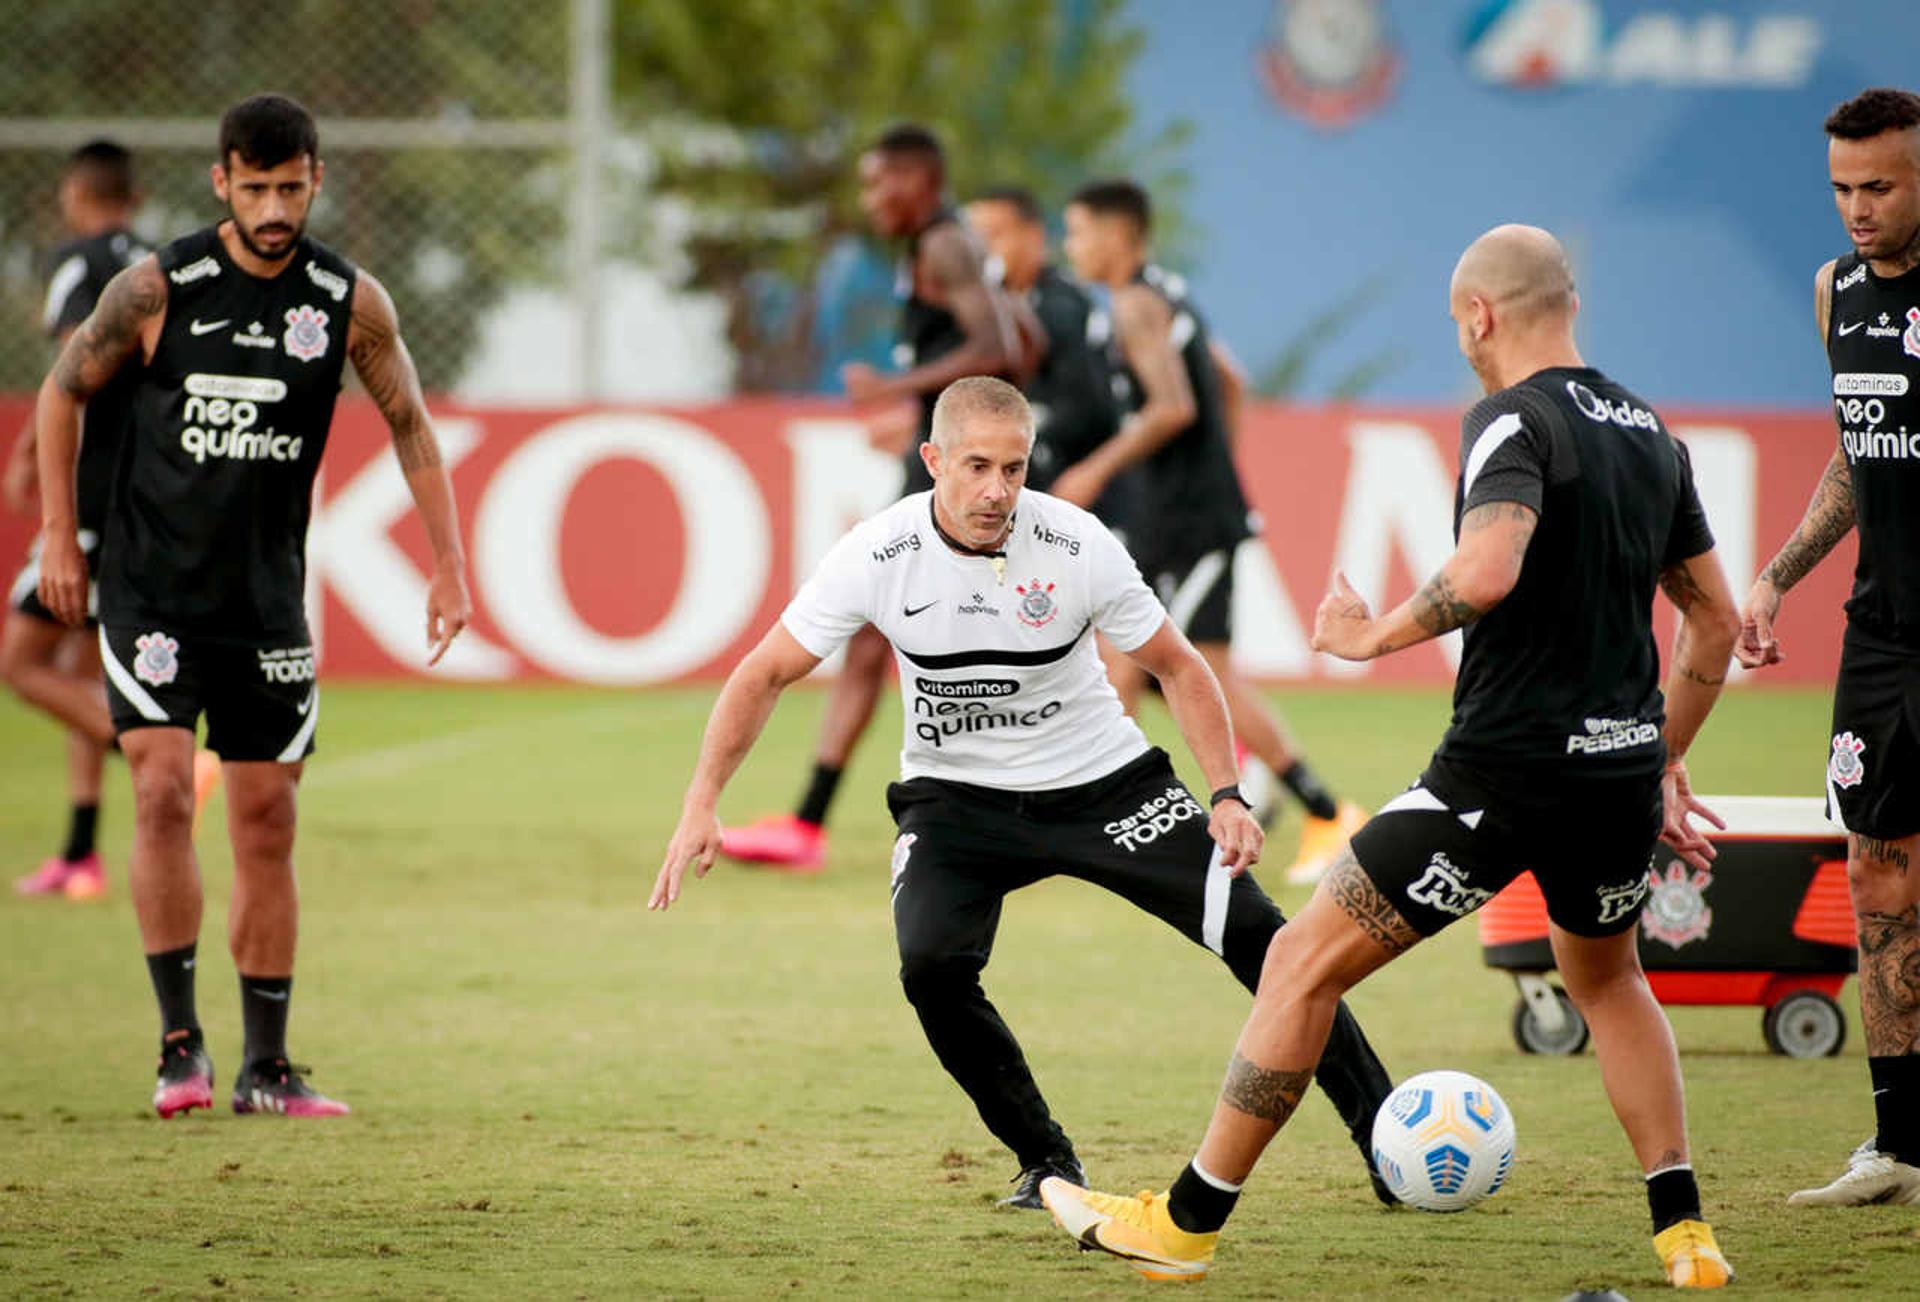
(1073, 406)
(81, 270)
(927, 331)
(1873, 343)
(1562, 678)
(208, 533)
(1190, 499)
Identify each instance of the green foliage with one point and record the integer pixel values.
(1030, 92)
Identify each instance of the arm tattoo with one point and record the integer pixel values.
(1682, 589)
(1890, 981)
(1269, 1095)
(111, 335)
(1348, 886)
(1439, 609)
(385, 367)
(1695, 676)
(1829, 516)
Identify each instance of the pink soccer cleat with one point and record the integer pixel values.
(50, 878)
(186, 1075)
(275, 1086)
(86, 879)
(781, 841)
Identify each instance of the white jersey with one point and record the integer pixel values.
(999, 676)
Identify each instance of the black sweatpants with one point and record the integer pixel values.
(1139, 833)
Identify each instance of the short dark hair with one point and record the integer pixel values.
(1118, 197)
(1871, 112)
(1016, 197)
(105, 169)
(911, 142)
(267, 130)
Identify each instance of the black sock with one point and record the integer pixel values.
(1672, 1197)
(80, 832)
(172, 974)
(820, 789)
(1896, 1102)
(263, 1010)
(1197, 1206)
(1306, 788)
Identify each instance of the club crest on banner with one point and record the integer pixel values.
(1329, 61)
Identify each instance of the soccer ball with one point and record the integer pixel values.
(1443, 1141)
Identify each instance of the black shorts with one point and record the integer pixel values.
(1197, 592)
(1873, 763)
(261, 700)
(1450, 842)
(1138, 832)
(25, 595)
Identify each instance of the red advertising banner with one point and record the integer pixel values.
(626, 545)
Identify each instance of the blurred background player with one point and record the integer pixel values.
(49, 665)
(1192, 515)
(238, 334)
(1574, 505)
(1866, 305)
(953, 323)
(1053, 778)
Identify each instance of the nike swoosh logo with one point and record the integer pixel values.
(308, 703)
(278, 996)
(208, 327)
(911, 611)
(1847, 330)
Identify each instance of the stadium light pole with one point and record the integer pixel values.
(590, 116)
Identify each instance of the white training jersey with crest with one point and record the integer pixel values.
(1000, 680)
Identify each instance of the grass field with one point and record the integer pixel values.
(558, 1094)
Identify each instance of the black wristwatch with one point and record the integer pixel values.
(1230, 792)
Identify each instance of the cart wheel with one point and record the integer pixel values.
(1806, 1024)
(1533, 1037)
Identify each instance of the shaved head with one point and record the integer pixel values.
(1521, 270)
(967, 401)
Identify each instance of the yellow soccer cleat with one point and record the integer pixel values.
(1137, 1230)
(1691, 1257)
(1321, 840)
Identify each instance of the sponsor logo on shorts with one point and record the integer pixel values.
(1604, 736)
(201, 270)
(335, 287)
(1442, 887)
(968, 689)
(156, 659)
(1064, 541)
(1677, 912)
(886, 551)
(1847, 768)
(1154, 819)
(941, 720)
(1037, 608)
(306, 336)
(292, 664)
(1852, 278)
(1617, 902)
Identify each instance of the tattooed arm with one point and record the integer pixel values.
(1482, 570)
(1702, 646)
(1829, 518)
(385, 367)
(124, 324)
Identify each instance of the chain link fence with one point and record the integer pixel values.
(449, 129)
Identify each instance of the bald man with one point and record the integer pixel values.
(1574, 503)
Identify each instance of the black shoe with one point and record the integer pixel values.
(274, 1086)
(1026, 1185)
(1380, 1190)
(185, 1078)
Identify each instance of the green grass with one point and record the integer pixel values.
(558, 1094)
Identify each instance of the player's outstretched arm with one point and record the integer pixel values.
(126, 317)
(1478, 576)
(1198, 707)
(1829, 518)
(384, 366)
(1702, 649)
(990, 343)
(1143, 326)
(741, 711)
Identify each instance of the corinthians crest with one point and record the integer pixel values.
(306, 336)
(1677, 911)
(1036, 603)
(156, 658)
(1846, 768)
(1330, 61)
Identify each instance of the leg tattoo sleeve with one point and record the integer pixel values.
(1890, 981)
(1348, 885)
(1272, 1095)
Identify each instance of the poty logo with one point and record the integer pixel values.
(1622, 413)
(1442, 887)
(306, 336)
(1617, 902)
(1847, 768)
(156, 658)
(1535, 44)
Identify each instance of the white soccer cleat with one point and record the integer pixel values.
(1870, 1178)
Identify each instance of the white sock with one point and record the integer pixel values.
(1677, 1166)
(1212, 1179)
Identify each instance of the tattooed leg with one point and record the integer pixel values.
(1270, 1095)
(1885, 890)
(1349, 887)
